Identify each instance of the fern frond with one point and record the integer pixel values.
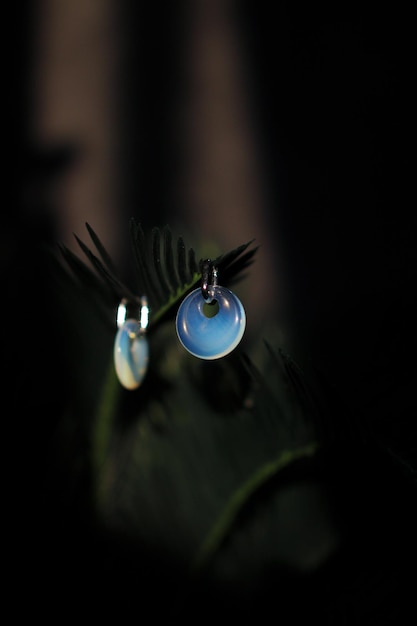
(166, 270)
(101, 250)
(82, 273)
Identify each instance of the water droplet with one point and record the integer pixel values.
(131, 354)
(211, 337)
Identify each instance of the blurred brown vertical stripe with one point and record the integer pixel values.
(76, 101)
(223, 179)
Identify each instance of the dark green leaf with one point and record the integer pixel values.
(164, 287)
(169, 260)
(164, 274)
(145, 278)
(115, 284)
(102, 250)
(182, 262)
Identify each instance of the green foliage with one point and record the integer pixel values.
(241, 482)
(205, 466)
(164, 273)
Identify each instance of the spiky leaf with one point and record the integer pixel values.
(165, 271)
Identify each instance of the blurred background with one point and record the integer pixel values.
(288, 123)
(156, 116)
(231, 122)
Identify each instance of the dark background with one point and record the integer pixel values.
(332, 91)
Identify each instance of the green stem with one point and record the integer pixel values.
(106, 408)
(239, 498)
(102, 430)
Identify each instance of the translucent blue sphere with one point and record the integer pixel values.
(131, 354)
(210, 331)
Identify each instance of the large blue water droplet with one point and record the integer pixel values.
(215, 336)
(131, 354)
